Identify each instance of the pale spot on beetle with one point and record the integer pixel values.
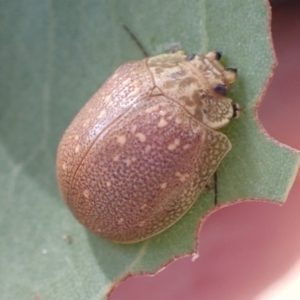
(76, 137)
(162, 113)
(86, 123)
(143, 206)
(178, 120)
(182, 177)
(126, 82)
(120, 221)
(163, 185)
(133, 128)
(151, 109)
(64, 166)
(116, 157)
(174, 145)
(77, 148)
(121, 140)
(187, 146)
(108, 183)
(142, 138)
(147, 148)
(107, 98)
(162, 123)
(102, 113)
(142, 223)
(127, 162)
(86, 194)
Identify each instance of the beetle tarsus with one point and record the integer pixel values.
(236, 110)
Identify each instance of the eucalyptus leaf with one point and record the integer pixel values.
(54, 55)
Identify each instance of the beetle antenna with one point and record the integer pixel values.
(136, 40)
(216, 187)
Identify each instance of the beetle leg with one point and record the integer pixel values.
(213, 186)
(216, 187)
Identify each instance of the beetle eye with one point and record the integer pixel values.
(190, 57)
(221, 89)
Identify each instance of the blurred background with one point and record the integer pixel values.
(258, 256)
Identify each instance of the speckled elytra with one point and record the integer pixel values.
(139, 153)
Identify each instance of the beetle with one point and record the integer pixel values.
(143, 148)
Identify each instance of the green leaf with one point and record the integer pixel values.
(54, 56)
